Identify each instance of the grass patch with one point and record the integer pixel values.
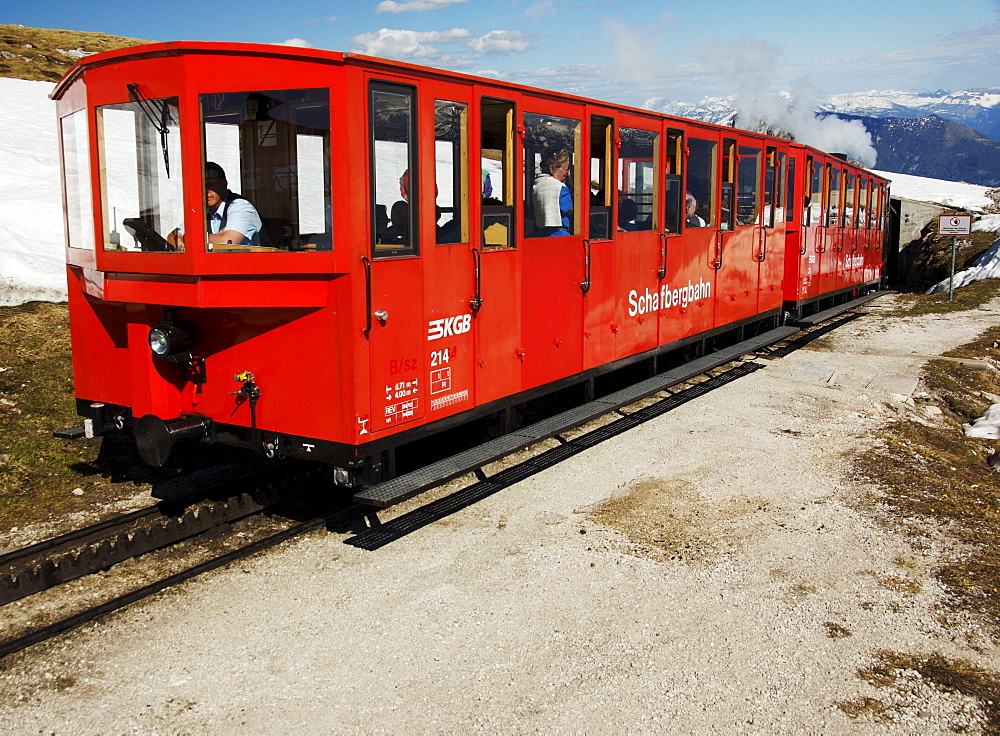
(896, 670)
(968, 297)
(40, 54)
(39, 473)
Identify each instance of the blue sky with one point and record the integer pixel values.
(619, 50)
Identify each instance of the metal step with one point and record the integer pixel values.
(408, 485)
(70, 433)
(815, 319)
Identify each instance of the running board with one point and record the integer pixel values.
(815, 319)
(406, 486)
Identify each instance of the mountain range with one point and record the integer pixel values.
(940, 135)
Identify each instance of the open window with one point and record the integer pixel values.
(833, 218)
(497, 164)
(674, 200)
(728, 203)
(601, 180)
(748, 183)
(702, 178)
(551, 172)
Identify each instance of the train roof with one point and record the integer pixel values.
(324, 56)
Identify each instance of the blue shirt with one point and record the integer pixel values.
(241, 216)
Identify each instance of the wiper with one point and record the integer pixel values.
(150, 112)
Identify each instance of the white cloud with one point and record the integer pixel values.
(399, 44)
(500, 43)
(426, 46)
(413, 6)
(300, 42)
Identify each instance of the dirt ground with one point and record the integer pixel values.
(721, 568)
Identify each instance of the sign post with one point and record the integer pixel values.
(954, 225)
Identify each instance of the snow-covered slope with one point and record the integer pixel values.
(31, 213)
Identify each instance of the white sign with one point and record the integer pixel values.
(955, 225)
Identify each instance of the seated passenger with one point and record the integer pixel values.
(232, 219)
(399, 230)
(693, 220)
(628, 210)
(552, 199)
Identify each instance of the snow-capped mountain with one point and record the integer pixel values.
(942, 135)
(976, 108)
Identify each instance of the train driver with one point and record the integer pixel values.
(232, 219)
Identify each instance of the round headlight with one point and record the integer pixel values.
(159, 341)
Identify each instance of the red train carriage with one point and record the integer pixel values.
(837, 250)
(407, 270)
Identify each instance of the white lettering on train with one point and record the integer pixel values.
(438, 328)
(665, 297)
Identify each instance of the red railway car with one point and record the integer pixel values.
(325, 255)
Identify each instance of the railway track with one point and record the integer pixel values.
(34, 571)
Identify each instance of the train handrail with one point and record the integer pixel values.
(477, 297)
(585, 285)
(821, 237)
(368, 294)
(662, 272)
(761, 255)
(717, 263)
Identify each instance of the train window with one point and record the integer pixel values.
(139, 146)
(833, 200)
(451, 156)
(394, 174)
(863, 195)
(789, 198)
(772, 197)
(814, 202)
(497, 161)
(76, 180)
(552, 181)
(748, 186)
(674, 205)
(601, 194)
(728, 185)
(849, 193)
(268, 152)
(702, 177)
(637, 177)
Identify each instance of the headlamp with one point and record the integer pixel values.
(170, 342)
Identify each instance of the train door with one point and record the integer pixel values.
(638, 243)
(770, 248)
(448, 261)
(396, 327)
(689, 233)
(601, 295)
(832, 241)
(813, 231)
(795, 231)
(555, 167)
(853, 257)
(740, 234)
(496, 300)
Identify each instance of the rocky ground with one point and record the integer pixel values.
(717, 569)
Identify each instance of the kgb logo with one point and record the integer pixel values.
(438, 328)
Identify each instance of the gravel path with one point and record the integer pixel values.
(709, 571)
